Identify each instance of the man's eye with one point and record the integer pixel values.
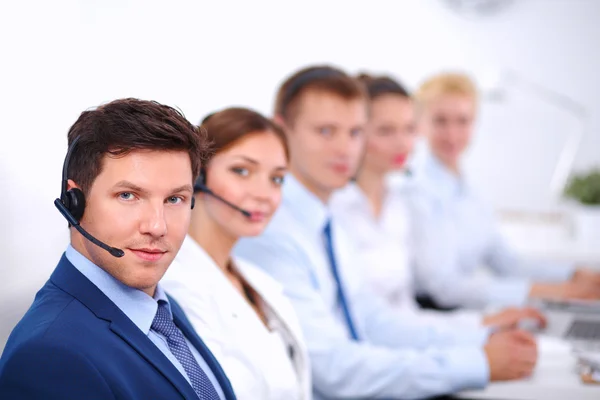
(325, 131)
(174, 200)
(126, 196)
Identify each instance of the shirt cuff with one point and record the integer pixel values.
(468, 368)
(559, 272)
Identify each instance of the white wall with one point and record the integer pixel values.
(61, 57)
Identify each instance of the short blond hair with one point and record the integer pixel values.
(443, 84)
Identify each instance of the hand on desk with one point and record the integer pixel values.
(510, 318)
(586, 276)
(511, 355)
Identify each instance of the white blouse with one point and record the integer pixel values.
(269, 363)
(384, 245)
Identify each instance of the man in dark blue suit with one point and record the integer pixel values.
(102, 327)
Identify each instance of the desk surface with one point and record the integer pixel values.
(555, 378)
(550, 243)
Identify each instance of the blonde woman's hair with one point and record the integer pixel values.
(443, 84)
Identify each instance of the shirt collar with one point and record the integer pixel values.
(308, 208)
(135, 304)
(441, 179)
(352, 194)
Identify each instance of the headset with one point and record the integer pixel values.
(301, 80)
(200, 186)
(71, 205)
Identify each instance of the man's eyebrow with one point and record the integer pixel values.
(183, 188)
(135, 188)
(130, 186)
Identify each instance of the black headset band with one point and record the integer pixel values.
(65, 170)
(300, 81)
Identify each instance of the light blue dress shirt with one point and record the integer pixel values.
(139, 308)
(455, 235)
(395, 358)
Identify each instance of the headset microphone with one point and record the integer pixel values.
(200, 186)
(75, 224)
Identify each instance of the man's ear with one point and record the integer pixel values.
(72, 185)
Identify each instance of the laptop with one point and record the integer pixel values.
(577, 321)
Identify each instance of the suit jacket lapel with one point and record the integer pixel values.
(182, 323)
(69, 279)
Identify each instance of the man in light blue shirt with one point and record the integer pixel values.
(455, 230)
(358, 347)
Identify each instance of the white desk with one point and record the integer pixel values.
(550, 241)
(555, 378)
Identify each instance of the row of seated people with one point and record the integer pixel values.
(288, 270)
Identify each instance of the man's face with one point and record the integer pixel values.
(140, 203)
(448, 124)
(326, 141)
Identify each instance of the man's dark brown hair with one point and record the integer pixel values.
(125, 125)
(325, 79)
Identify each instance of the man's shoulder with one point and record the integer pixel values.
(283, 220)
(54, 317)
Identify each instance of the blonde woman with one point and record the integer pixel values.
(457, 232)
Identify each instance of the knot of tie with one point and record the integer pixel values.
(327, 230)
(163, 323)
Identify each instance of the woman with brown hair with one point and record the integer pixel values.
(240, 311)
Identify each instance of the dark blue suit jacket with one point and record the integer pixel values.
(74, 343)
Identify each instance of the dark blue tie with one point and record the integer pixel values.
(163, 324)
(340, 289)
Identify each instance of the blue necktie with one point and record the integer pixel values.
(340, 289)
(163, 324)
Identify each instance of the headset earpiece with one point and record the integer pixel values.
(200, 184)
(74, 200)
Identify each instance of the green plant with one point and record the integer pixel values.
(585, 188)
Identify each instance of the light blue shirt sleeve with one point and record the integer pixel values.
(378, 367)
(387, 327)
(507, 263)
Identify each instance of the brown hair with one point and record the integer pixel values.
(224, 128)
(122, 126)
(381, 85)
(448, 83)
(320, 78)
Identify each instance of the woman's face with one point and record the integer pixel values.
(249, 174)
(390, 133)
(447, 123)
